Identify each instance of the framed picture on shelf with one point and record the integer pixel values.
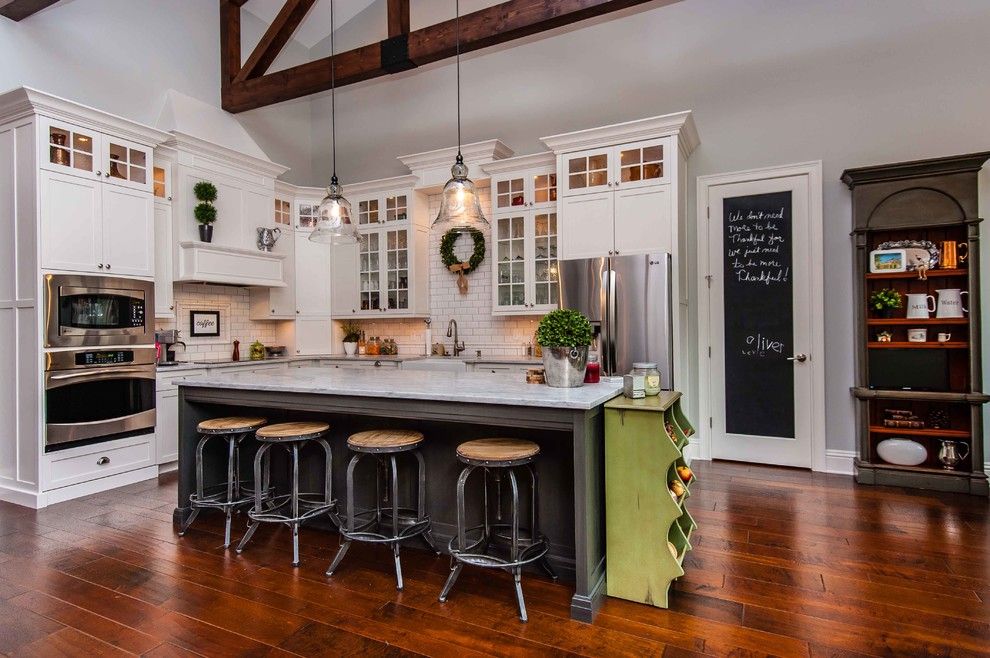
(204, 324)
(887, 261)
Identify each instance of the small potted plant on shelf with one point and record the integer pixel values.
(352, 333)
(885, 301)
(205, 212)
(564, 335)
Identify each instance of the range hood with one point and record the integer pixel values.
(204, 262)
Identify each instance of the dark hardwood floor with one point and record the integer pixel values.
(785, 563)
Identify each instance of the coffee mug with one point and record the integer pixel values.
(950, 303)
(944, 337)
(917, 335)
(919, 305)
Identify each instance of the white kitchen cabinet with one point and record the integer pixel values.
(71, 222)
(392, 207)
(391, 274)
(128, 231)
(362, 364)
(524, 245)
(164, 293)
(69, 149)
(637, 164)
(587, 225)
(161, 181)
(529, 188)
(126, 163)
(344, 289)
(313, 337)
(642, 220)
(167, 426)
(312, 267)
(278, 303)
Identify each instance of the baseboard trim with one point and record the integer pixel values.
(839, 461)
(168, 467)
(100, 485)
(20, 497)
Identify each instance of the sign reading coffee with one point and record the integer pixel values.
(759, 315)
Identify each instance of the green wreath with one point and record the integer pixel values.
(447, 248)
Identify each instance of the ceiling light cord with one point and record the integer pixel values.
(333, 103)
(457, 40)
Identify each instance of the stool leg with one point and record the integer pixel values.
(456, 566)
(345, 543)
(295, 504)
(229, 510)
(394, 474)
(514, 554)
(328, 483)
(259, 492)
(199, 483)
(421, 503)
(545, 560)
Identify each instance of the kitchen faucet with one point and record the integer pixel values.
(452, 331)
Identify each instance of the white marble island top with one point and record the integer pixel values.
(473, 387)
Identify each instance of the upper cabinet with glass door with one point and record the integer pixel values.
(381, 208)
(531, 188)
(638, 164)
(71, 149)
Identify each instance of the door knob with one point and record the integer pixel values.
(800, 358)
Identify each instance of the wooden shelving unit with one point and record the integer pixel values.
(644, 446)
(935, 201)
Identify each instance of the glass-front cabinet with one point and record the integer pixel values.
(79, 151)
(381, 208)
(533, 188)
(383, 270)
(525, 268)
(637, 164)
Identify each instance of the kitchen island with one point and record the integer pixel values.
(449, 408)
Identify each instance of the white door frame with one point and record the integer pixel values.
(706, 378)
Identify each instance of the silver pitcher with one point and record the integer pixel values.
(564, 366)
(952, 452)
(267, 237)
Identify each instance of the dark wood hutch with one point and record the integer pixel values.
(927, 200)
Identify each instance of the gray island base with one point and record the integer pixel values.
(448, 408)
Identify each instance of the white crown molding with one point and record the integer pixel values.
(678, 123)
(186, 143)
(475, 154)
(24, 101)
(406, 182)
(520, 162)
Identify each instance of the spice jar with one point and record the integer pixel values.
(593, 371)
(651, 377)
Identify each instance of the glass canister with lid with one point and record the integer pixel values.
(651, 376)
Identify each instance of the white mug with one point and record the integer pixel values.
(950, 303)
(919, 305)
(917, 335)
(944, 337)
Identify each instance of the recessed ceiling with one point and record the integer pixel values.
(316, 26)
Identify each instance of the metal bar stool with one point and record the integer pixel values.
(390, 524)
(525, 545)
(233, 493)
(293, 508)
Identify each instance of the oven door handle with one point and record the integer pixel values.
(149, 373)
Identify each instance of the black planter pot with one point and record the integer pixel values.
(206, 232)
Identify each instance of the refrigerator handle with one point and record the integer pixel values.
(610, 317)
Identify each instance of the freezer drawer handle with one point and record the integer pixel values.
(102, 461)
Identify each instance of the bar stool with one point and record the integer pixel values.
(392, 524)
(233, 429)
(293, 508)
(525, 545)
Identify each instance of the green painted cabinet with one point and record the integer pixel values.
(647, 529)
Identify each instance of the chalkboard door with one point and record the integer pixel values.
(760, 310)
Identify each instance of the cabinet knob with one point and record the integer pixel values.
(102, 461)
(170, 197)
(610, 183)
(100, 266)
(107, 175)
(172, 307)
(99, 173)
(378, 364)
(273, 311)
(297, 311)
(108, 266)
(616, 252)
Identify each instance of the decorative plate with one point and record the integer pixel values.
(914, 248)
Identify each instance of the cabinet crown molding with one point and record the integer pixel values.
(381, 185)
(678, 123)
(186, 143)
(520, 162)
(25, 101)
(476, 154)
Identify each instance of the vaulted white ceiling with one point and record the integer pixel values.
(316, 26)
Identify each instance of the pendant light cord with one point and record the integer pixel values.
(333, 102)
(457, 41)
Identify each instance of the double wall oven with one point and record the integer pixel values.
(99, 359)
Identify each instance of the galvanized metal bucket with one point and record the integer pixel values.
(564, 366)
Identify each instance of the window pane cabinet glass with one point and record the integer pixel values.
(159, 183)
(309, 215)
(368, 211)
(588, 171)
(397, 272)
(70, 148)
(510, 256)
(369, 271)
(510, 192)
(396, 208)
(545, 258)
(283, 214)
(641, 163)
(545, 188)
(127, 163)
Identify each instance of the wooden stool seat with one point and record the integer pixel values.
(295, 431)
(494, 452)
(384, 440)
(231, 424)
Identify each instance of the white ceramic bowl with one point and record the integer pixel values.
(903, 452)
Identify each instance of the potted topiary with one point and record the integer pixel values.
(885, 301)
(352, 334)
(564, 335)
(205, 212)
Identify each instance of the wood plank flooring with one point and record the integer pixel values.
(786, 563)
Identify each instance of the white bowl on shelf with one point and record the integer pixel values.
(902, 452)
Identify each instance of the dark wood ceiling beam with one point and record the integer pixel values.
(276, 36)
(18, 10)
(480, 29)
(398, 17)
(230, 43)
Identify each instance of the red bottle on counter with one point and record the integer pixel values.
(593, 371)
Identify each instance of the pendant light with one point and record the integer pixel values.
(334, 225)
(460, 207)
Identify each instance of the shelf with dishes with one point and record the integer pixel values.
(911, 274)
(924, 436)
(910, 345)
(881, 322)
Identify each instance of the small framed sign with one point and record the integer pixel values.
(204, 324)
(888, 260)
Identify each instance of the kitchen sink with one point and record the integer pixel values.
(438, 363)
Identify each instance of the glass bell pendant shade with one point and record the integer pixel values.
(460, 207)
(334, 225)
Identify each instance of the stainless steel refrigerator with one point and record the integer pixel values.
(628, 300)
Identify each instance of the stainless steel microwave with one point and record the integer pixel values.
(90, 311)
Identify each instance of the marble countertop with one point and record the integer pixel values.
(472, 387)
(194, 365)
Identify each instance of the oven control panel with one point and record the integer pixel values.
(104, 357)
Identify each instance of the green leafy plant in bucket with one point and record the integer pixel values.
(352, 331)
(886, 300)
(564, 328)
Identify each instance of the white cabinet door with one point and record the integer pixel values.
(642, 164)
(544, 295)
(509, 192)
(312, 277)
(282, 301)
(313, 337)
(127, 164)
(128, 231)
(586, 228)
(344, 292)
(511, 268)
(71, 228)
(161, 181)
(167, 426)
(543, 188)
(164, 302)
(395, 256)
(69, 149)
(587, 172)
(642, 220)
